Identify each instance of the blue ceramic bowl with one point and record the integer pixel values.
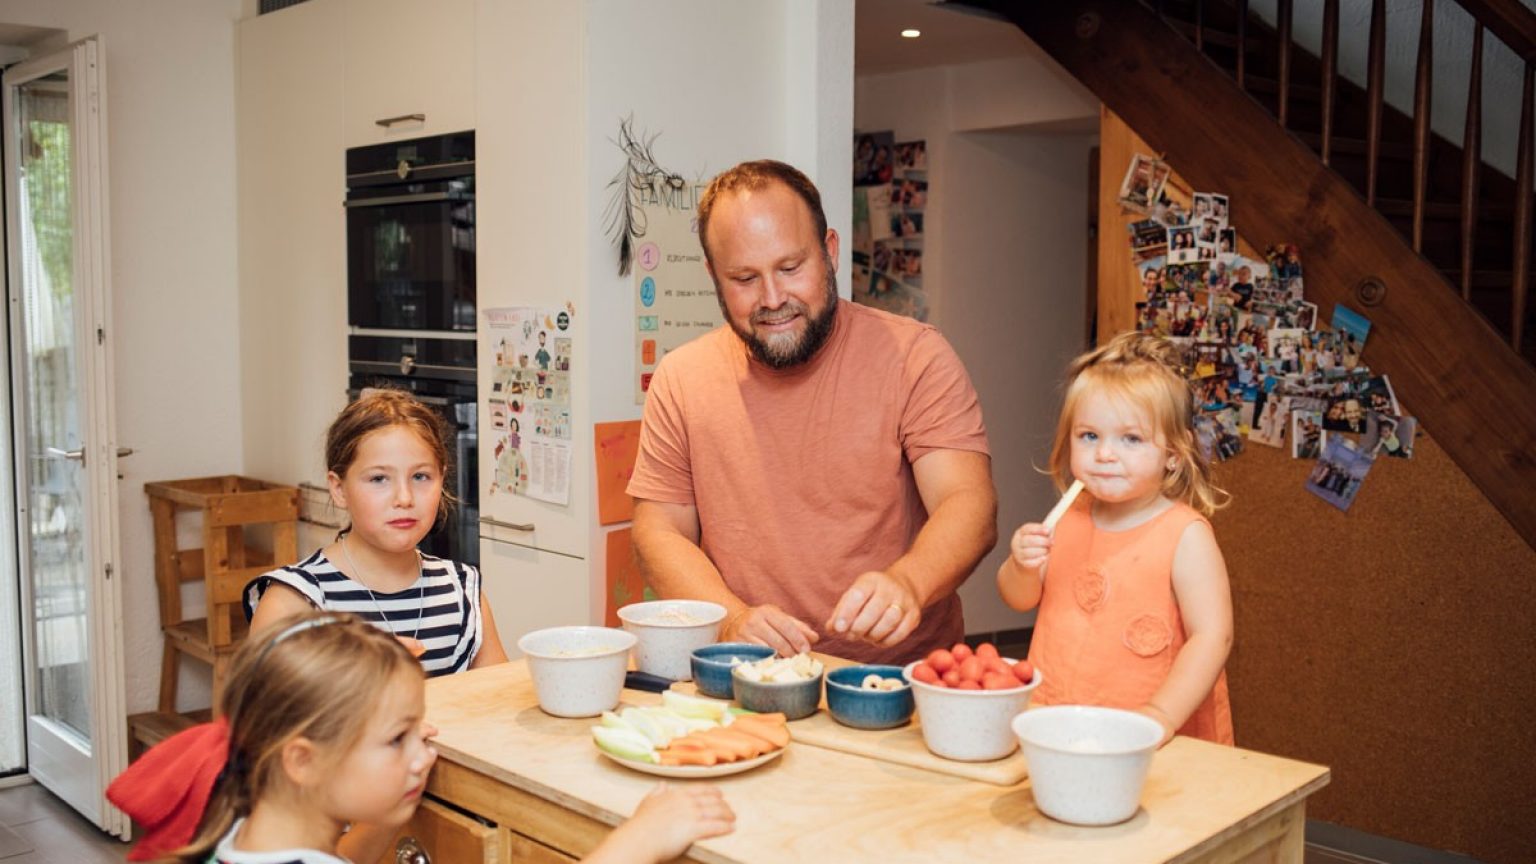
(796, 699)
(852, 705)
(712, 665)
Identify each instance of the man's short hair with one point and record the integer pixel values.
(752, 176)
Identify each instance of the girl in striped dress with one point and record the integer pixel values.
(386, 456)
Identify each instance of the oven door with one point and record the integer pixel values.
(411, 257)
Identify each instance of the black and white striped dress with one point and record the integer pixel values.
(445, 615)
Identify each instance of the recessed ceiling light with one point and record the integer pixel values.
(911, 33)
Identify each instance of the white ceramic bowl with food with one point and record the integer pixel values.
(669, 632)
(577, 671)
(1087, 765)
(969, 725)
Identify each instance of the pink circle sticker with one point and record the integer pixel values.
(649, 256)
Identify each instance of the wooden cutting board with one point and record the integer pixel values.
(902, 745)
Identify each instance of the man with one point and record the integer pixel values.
(818, 468)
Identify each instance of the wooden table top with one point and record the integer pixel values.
(813, 800)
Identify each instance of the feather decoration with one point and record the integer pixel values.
(636, 181)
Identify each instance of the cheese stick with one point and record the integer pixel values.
(1061, 506)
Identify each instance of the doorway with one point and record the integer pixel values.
(60, 494)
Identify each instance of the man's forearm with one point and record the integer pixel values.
(675, 567)
(958, 534)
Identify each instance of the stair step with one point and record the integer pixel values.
(1212, 36)
(1356, 146)
(1444, 210)
(1306, 93)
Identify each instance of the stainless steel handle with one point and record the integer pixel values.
(409, 851)
(387, 122)
(124, 451)
(511, 526)
(73, 455)
(399, 199)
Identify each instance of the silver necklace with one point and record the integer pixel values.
(421, 600)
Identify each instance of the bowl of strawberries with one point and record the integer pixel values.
(966, 698)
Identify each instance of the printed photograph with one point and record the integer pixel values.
(1181, 245)
(1226, 245)
(1377, 395)
(906, 224)
(1351, 323)
(1143, 183)
(874, 158)
(1269, 426)
(909, 193)
(1307, 434)
(1339, 473)
(1149, 239)
(912, 156)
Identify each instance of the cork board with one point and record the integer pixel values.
(1395, 643)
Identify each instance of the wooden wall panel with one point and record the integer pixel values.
(1395, 643)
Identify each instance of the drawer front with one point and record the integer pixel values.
(523, 850)
(447, 837)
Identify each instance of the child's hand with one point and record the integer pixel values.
(1030, 546)
(671, 818)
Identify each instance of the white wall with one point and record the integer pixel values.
(1004, 257)
(756, 81)
(171, 164)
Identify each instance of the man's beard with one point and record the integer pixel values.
(789, 349)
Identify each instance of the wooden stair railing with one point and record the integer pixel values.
(1461, 377)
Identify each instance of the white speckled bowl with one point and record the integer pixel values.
(577, 671)
(669, 632)
(969, 725)
(1087, 765)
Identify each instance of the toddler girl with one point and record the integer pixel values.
(386, 456)
(1136, 612)
(323, 725)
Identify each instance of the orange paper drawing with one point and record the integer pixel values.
(623, 583)
(616, 445)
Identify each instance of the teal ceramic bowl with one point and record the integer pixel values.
(852, 705)
(712, 665)
(796, 699)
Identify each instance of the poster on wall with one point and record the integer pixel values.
(890, 199)
(530, 401)
(674, 297)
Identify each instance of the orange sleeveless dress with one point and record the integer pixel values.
(1109, 628)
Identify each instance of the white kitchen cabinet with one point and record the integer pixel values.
(292, 237)
(529, 589)
(406, 58)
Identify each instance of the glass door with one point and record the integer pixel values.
(65, 470)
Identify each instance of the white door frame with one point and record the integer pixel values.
(78, 775)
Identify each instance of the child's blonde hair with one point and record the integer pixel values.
(1143, 371)
(318, 676)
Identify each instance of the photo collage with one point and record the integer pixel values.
(890, 200)
(1262, 366)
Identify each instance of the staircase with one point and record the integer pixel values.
(1392, 220)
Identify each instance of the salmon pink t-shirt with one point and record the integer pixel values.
(802, 477)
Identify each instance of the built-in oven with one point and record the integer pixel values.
(411, 235)
(440, 372)
(411, 300)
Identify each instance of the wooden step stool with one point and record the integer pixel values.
(228, 505)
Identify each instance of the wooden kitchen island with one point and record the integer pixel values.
(536, 789)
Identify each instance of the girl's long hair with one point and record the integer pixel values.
(318, 676)
(1144, 372)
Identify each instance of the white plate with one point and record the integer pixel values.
(687, 771)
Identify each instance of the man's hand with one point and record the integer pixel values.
(880, 607)
(769, 625)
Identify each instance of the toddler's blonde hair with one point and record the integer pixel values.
(1142, 371)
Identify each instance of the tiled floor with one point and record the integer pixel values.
(37, 828)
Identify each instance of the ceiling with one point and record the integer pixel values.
(949, 36)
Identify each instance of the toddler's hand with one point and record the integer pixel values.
(671, 818)
(1030, 546)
